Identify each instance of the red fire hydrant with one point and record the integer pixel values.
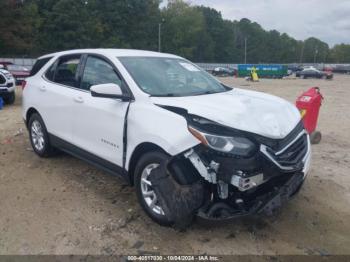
(309, 104)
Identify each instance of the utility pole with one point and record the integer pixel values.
(315, 56)
(245, 50)
(159, 35)
(302, 53)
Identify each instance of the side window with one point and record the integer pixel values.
(50, 73)
(66, 71)
(39, 64)
(97, 71)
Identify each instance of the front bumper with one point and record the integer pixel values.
(264, 204)
(5, 91)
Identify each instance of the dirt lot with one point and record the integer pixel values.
(65, 206)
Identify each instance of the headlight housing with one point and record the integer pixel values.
(239, 146)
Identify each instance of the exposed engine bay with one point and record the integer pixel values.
(216, 185)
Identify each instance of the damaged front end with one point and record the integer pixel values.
(231, 174)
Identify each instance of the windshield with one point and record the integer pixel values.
(159, 76)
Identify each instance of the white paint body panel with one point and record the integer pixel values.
(245, 110)
(98, 126)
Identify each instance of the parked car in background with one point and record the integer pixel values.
(19, 72)
(295, 68)
(7, 86)
(4, 64)
(190, 145)
(224, 71)
(314, 73)
(342, 69)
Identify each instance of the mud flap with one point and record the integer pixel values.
(179, 202)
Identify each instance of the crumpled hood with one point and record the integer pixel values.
(245, 110)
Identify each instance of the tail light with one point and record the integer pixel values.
(24, 83)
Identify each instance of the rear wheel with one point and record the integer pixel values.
(10, 99)
(39, 136)
(144, 191)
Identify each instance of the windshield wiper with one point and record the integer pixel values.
(209, 92)
(166, 95)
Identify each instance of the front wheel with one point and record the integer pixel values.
(144, 191)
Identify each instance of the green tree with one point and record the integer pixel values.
(34, 27)
(340, 54)
(183, 29)
(18, 24)
(315, 51)
(68, 24)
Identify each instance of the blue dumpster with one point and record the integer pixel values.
(263, 70)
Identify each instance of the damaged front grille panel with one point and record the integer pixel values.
(290, 158)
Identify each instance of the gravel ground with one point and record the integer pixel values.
(65, 206)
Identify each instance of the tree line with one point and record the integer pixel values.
(35, 27)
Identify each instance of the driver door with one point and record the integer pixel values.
(99, 127)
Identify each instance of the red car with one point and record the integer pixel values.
(19, 72)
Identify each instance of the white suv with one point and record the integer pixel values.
(7, 86)
(191, 145)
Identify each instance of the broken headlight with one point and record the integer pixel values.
(240, 146)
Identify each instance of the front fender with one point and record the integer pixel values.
(148, 123)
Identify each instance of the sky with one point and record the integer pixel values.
(328, 20)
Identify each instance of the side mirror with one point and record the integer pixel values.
(108, 91)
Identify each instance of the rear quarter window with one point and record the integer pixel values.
(39, 64)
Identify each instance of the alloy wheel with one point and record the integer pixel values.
(148, 193)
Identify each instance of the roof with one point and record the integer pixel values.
(113, 52)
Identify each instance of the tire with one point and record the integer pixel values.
(39, 137)
(146, 162)
(10, 99)
(315, 137)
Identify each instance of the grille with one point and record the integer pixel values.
(291, 156)
(2, 79)
(294, 154)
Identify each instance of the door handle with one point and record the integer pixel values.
(42, 88)
(79, 99)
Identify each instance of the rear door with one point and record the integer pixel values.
(57, 96)
(99, 125)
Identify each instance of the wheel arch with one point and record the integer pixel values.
(29, 113)
(140, 150)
